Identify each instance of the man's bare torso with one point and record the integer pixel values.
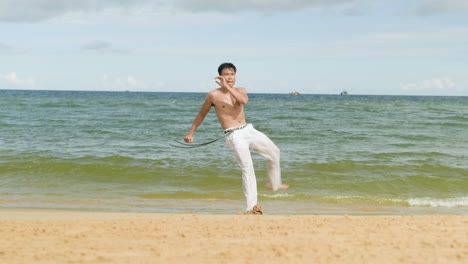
(230, 113)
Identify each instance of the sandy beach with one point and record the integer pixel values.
(45, 236)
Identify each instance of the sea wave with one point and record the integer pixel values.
(277, 195)
(356, 150)
(412, 202)
(447, 202)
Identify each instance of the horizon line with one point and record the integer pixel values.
(285, 93)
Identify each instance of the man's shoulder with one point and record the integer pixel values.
(213, 93)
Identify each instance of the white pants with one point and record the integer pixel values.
(241, 141)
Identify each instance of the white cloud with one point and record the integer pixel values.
(431, 86)
(103, 47)
(24, 10)
(12, 50)
(4, 46)
(12, 78)
(97, 45)
(260, 5)
(434, 7)
(129, 83)
(38, 10)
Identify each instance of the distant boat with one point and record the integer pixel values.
(344, 93)
(294, 93)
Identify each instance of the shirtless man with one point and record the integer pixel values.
(229, 102)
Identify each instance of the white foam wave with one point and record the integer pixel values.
(277, 195)
(449, 202)
(423, 201)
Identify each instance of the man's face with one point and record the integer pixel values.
(229, 75)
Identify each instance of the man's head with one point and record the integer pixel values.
(226, 65)
(228, 71)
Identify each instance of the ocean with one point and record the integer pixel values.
(354, 154)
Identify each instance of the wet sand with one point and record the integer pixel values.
(45, 236)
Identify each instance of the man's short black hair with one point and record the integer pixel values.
(226, 65)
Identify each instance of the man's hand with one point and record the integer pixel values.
(188, 138)
(221, 81)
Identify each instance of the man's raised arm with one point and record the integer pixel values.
(240, 94)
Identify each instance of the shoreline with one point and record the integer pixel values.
(67, 236)
(222, 206)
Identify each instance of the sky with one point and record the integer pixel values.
(376, 47)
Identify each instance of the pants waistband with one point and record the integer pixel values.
(234, 128)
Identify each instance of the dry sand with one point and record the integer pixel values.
(38, 236)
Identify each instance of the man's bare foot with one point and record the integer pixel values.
(256, 210)
(281, 187)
